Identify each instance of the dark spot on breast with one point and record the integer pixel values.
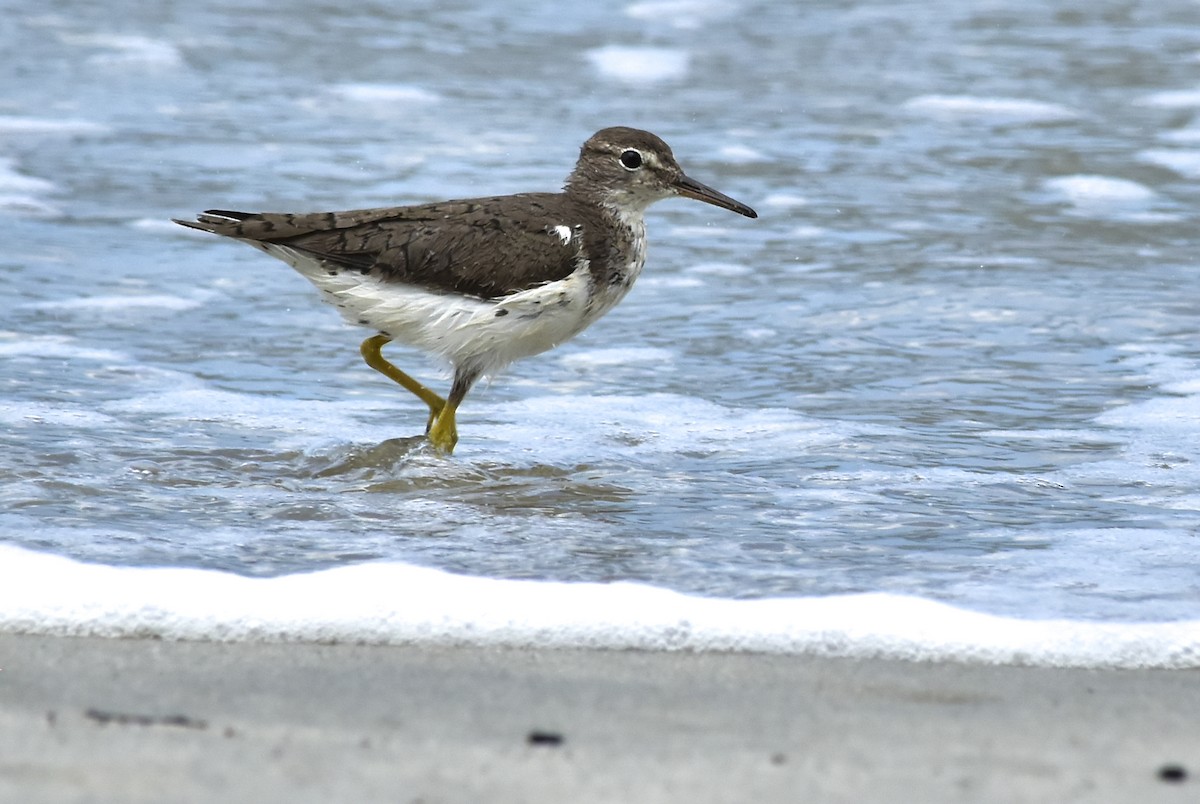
(500, 313)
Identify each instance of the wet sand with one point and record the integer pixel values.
(106, 720)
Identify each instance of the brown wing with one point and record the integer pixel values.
(486, 247)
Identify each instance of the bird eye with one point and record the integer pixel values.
(631, 159)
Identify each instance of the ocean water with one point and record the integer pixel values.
(952, 371)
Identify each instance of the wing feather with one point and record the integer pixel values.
(487, 247)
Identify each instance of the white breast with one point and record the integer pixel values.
(466, 331)
(486, 334)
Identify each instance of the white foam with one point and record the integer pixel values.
(1000, 110)
(1088, 189)
(707, 230)
(566, 428)
(741, 155)
(18, 192)
(1178, 416)
(162, 225)
(683, 14)
(1158, 436)
(123, 303)
(1184, 162)
(1188, 135)
(11, 124)
(383, 93)
(1105, 197)
(24, 414)
(807, 232)
(253, 411)
(128, 50)
(672, 281)
(28, 206)
(395, 604)
(1172, 99)
(720, 269)
(784, 201)
(13, 181)
(638, 65)
(302, 423)
(18, 344)
(618, 356)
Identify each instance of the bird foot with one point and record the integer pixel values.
(443, 432)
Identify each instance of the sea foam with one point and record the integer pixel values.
(1105, 197)
(990, 109)
(682, 14)
(1172, 99)
(118, 50)
(15, 124)
(398, 604)
(18, 192)
(1185, 162)
(639, 65)
(383, 93)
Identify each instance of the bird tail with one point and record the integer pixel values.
(216, 221)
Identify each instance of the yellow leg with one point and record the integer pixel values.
(371, 353)
(443, 430)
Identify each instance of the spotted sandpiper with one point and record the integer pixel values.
(483, 281)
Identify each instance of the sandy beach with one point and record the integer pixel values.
(111, 720)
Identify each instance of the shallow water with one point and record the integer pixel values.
(956, 357)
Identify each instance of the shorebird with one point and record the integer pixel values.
(482, 282)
